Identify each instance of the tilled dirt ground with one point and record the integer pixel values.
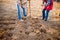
(30, 29)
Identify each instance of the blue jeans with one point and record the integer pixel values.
(45, 14)
(19, 11)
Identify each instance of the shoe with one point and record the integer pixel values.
(21, 20)
(45, 20)
(42, 19)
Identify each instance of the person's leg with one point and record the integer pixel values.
(43, 14)
(19, 13)
(24, 11)
(47, 13)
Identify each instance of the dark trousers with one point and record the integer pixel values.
(45, 14)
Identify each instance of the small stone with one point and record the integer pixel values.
(14, 37)
(32, 34)
(36, 31)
